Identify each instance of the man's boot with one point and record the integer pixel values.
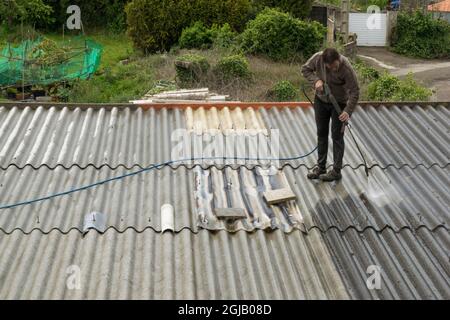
(332, 175)
(315, 173)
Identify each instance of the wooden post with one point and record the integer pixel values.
(331, 21)
(345, 19)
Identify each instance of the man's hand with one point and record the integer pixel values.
(344, 116)
(319, 85)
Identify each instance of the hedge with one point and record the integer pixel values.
(156, 25)
(281, 36)
(419, 35)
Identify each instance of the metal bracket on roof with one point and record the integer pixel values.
(94, 220)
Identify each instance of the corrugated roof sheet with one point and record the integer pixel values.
(413, 264)
(414, 198)
(50, 136)
(443, 6)
(48, 149)
(136, 201)
(222, 265)
(146, 265)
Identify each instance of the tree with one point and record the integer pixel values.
(298, 8)
(26, 11)
(155, 25)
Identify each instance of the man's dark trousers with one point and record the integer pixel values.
(323, 113)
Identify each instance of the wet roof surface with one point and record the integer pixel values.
(339, 231)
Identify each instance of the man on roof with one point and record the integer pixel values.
(329, 69)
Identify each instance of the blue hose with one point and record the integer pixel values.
(155, 166)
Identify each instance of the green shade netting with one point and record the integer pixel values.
(39, 62)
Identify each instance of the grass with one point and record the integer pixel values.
(119, 84)
(113, 81)
(116, 82)
(116, 47)
(265, 74)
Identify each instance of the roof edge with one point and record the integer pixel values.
(199, 104)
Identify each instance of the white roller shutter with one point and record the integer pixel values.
(371, 30)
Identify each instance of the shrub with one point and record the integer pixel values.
(383, 88)
(233, 67)
(280, 36)
(156, 25)
(366, 73)
(17, 33)
(283, 91)
(124, 83)
(27, 11)
(115, 17)
(363, 5)
(191, 68)
(419, 35)
(410, 90)
(196, 36)
(200, 37)
(95, 13)
(234, 12)
(298, 8)
(390, 88)
(223, 36)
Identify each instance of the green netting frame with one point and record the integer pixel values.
(17, 64)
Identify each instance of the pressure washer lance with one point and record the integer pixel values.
(338, 109)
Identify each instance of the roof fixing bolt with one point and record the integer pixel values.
(95, 220)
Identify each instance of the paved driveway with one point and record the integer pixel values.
(435, 74)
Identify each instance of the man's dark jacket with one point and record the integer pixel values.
(343, 83)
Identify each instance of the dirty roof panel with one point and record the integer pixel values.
(391, 136)
(51, 136)
(412, 198)
(146, 265)
(136, 201)
(404, 231)
(223, 265)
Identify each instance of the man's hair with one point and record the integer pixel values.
(330, 55)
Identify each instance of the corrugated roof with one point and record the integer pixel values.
(443, 6)
(133, 137)
(414, 198)
(414, 264)
(146, 265)
(222, 265)
(47, 149)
